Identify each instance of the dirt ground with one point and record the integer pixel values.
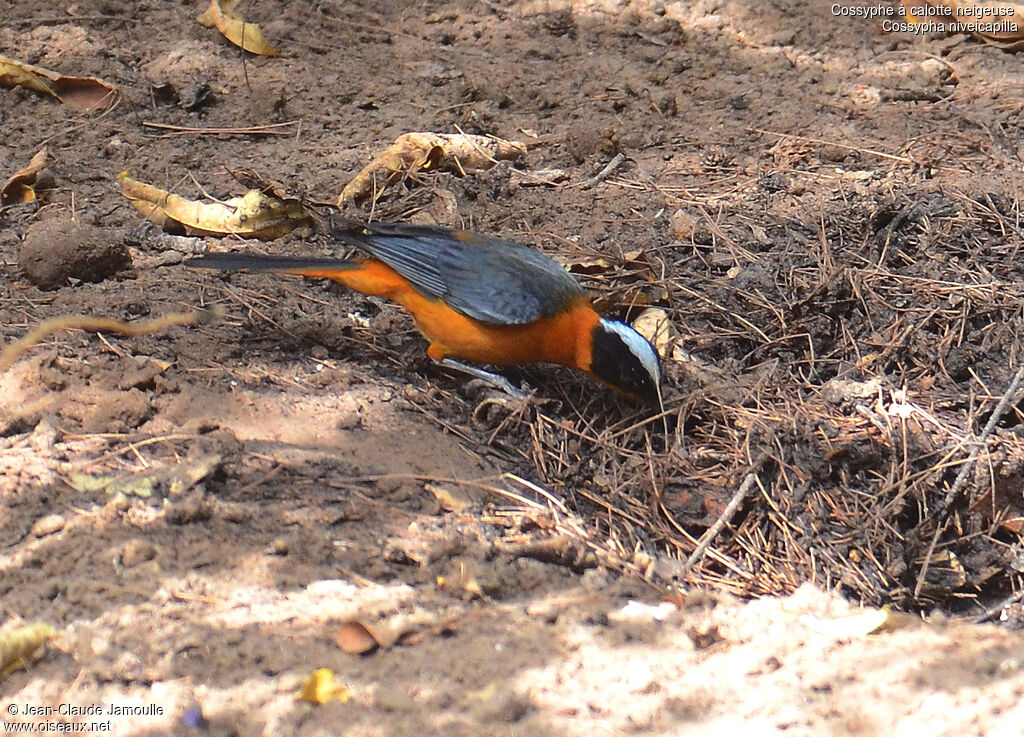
(830, 217)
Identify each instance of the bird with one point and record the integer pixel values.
(477, 298)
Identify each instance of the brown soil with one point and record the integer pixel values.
(829, 216)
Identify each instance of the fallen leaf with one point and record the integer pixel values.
(249, 36)
(320, 687)
(86, 93)
(590, 266)
(253, 215)
(1014, 525)
(539, 177)
(655, 325)
(945, 573)
(683, 225)
(17, 646)
(868, 622)
(22, 187)
(412, 153)
(355, 638)
(448, 500)
(175, 479)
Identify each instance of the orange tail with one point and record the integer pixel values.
(368, 276)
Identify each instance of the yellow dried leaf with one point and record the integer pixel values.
(87, 93)
(417, 152)
(174, 479)
(253, 215)
(20, 644)
(249, 36)
(21, 187)
(320, 687)
(14, 74)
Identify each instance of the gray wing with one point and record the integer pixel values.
(495, 281)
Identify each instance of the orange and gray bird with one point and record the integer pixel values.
(478, 298)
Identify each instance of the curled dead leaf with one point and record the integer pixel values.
(28, 183)
(221, 15)
(655, 325)
(412, 153)
(1014, 525)
(590, 266)
(253, 215)
(355, 638)
(86, 93)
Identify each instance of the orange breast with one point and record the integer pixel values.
(563, 339)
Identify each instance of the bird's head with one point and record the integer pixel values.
(625, 361)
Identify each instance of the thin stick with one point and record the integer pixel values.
(270, 129)
(101, 324)
(612, 165)
(998, 608)
(725, 518)
(1009, 397)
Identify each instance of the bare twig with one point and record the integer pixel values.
(101, 324)
(270, 129)
(726, 517)
(611, 166)
(1009, 397)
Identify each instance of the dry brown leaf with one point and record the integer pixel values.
(253, 215)
(1014, 525)
(590, 266)
(655, 325)
(86, 93)
(448, 499)
(417, 152)
(320, 687)
(249, 36)
(1000, 22)
(21, 188)
(20, 644)
(355, 638)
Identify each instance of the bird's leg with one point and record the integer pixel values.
(495, 380)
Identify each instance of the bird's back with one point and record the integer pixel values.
(495, 281)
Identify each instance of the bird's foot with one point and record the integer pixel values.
(487, 378)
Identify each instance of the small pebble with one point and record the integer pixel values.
(135, 552)
(48, 525)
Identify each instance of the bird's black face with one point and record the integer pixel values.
(623, 359)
